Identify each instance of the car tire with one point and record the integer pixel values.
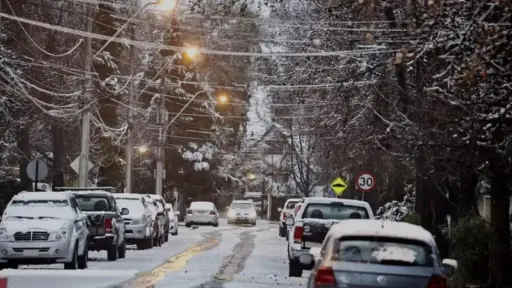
(122, 251)
(73, 265)
(166, 237)
(84, 258)
(188, 224)
(12, 265)
(253, 224)
(142, 245)
(294, 269)
(175, 233)
(282, 232)
(112, 254)
(216, 224)
(149, 243)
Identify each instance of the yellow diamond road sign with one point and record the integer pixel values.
(338, 186)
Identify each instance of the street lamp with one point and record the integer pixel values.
(223, 98)
(143, 149)
(191, 52)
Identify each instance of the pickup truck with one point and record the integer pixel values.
(105, 223)
(312, 222)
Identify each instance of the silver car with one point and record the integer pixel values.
(243, 212)
(138, 222)
(43, 228)
(202, 213)
(374, 254)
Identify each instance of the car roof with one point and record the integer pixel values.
(351, 202)
(154, 196)
(91, 193)
(128, 196)
(242, 201)
(380, 228)
(27, 195)
(292, 200)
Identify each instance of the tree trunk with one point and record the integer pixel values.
(58, 155)
(25, 157)
(500, 240)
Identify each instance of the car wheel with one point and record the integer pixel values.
(112, 252)
(142, 244)
(294, 269)
(12, 265)
(74, 260)
(166, 238)
(122, 251)
(175, 232)
(149, 244)
(216, 224)
(84, 258)
(282, 232)
(188, 224)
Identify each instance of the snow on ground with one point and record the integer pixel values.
(267, 265)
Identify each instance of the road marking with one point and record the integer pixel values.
(151, 278)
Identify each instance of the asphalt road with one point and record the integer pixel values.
(223, 257)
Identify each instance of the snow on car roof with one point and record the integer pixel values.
(127, 196)
(154, 196)
(292, 200)
(202, 204)
(242, 201)
(90, 192)
(392, 229)
(25, 195)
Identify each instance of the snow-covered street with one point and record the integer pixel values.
(226, 256)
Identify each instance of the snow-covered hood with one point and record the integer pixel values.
(13, 225)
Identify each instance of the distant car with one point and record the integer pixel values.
(286, 211)
(377, 253)
(173, 222)
(158, 222)
(313, 221)
(162, 212)
(138, 221)
(106, 225)
(43, 228)
(242, 211)
(202, 213)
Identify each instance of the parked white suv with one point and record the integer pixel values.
(286, 211)
(43, 228)
(138, 221)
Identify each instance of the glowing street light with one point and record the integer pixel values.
(223, 98)
(143, 149)
(192, 52)
(251, 176)
(166, 4)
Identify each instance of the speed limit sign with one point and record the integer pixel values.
(365, 182)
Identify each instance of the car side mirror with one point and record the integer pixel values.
(290, 221)
(279, 209)
(449, 267)
(177, 213)
(307, 260)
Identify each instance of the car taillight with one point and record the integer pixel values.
(297, 208)
(284, 217)
(108, 224)
(438, 281)
(212, 212)
(325, 276)
(297, 234)
(189, 211)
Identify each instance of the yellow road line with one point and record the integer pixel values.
(151, 278)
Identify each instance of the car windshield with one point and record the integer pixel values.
(334, 210)
(241, 206)
(93, 203)
(384, 251)
(135, 206)
(201, 205)
(291, 205)
(39, 209)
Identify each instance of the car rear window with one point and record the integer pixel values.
(384, 251)
(241, 205)
(201, 205)
(291, 205)
(334, 210)
(93, 203)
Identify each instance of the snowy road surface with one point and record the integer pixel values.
(223, 257)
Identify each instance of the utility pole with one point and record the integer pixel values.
(129, 142)
(86, 113)
(160, 154)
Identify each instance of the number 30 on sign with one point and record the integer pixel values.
(365, 182)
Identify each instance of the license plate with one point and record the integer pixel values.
(31, 252)
(201, 212)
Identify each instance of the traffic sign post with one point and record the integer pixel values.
(338, 186)
(365, 182)
(37, 171)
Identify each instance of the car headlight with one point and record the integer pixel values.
(5, 237)
(58, 236)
